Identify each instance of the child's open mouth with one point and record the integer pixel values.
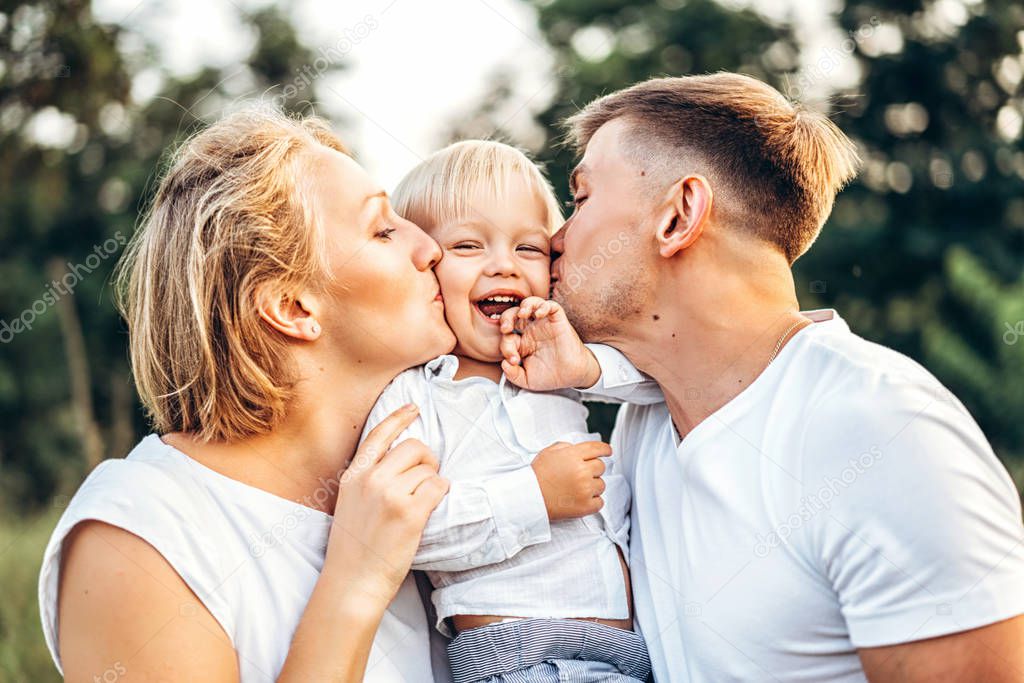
(493, 305)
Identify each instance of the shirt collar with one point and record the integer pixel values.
(442, 368)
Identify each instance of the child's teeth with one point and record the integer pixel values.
(495, 316)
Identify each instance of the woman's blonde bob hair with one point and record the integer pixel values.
(440, 188)
(229, 218)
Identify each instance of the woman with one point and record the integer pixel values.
(270, 294)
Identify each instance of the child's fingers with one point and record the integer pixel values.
(545, 309)
(509, 347)
(528, 305)
(514, 373)
(508, 320)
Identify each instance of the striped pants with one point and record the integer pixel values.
(548, 651)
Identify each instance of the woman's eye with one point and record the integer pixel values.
(384, 233)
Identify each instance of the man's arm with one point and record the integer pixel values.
(990, 654)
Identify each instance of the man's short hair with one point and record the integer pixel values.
(775, 166)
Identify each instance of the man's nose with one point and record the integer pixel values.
(558, 242)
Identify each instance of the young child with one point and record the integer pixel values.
(533, 593)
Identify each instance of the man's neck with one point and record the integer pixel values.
(704, 350)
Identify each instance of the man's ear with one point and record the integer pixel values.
(292, 316)
(688, 213)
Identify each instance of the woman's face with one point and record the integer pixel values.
(383, 309)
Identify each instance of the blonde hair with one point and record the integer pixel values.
(438, 190)
(229, 218)
(777, 165)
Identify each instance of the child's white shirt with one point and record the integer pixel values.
(489, 548)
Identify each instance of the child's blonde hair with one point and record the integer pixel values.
(439, 188)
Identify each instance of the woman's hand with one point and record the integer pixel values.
(384, 499)
(542, 350)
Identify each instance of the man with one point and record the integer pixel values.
(808, 506)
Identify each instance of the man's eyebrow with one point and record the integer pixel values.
(581, 168)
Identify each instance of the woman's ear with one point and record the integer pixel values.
(292, 316)
(688, 212)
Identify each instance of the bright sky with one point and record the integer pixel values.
(414, 66)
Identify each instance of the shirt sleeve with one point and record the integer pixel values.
(620, 381)
(169, 514)
(480, 521)
(918, 525)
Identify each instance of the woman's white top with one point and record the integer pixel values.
(489, 548)
(251, 557)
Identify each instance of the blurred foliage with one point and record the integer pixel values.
(23, 653)
(924, 252)
(85, 119)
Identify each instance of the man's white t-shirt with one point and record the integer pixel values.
(844, 500)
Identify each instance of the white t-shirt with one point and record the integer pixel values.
(844, 500)
(253, 559)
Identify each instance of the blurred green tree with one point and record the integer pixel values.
(85, 119)
(924, 252)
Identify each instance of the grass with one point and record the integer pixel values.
(23, 653)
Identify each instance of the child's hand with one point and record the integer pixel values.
(548, 354)
(570, 478)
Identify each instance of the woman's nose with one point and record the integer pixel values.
(427, 252)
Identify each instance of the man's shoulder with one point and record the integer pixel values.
(839, 371)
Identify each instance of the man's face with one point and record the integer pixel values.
(603, 274)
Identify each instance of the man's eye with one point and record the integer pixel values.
(384, 233)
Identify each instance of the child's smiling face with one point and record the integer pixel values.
(493, 258)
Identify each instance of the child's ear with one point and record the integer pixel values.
(688, 211)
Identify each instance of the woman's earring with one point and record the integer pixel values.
(315, 329)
